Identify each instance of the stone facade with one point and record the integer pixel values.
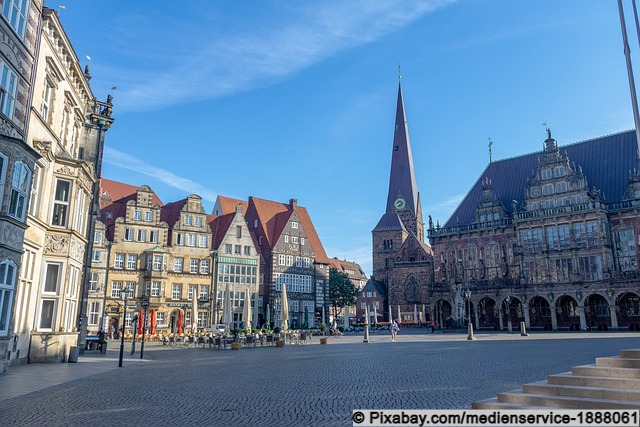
(560, 257)
(66, 126)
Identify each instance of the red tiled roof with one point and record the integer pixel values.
(111, 191)
(219, 226)
(343, 265)
(228, 205)
(170, 213)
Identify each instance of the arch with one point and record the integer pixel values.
(597, 312)
(487, 314)
(539, 313)
(512, 310)
(412, 290)
(628, 311)
(567, 313)
(442, 314)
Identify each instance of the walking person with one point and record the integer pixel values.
(394, 328)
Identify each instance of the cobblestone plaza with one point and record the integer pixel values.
(296, 385)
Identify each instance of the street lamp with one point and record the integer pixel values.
(470, 336)
(124, 319)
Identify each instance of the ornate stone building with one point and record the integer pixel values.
(18, 40)
(402, 261)
(548, 239)
(66, 127)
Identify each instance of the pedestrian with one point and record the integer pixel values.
(394, 328)
(113, 330)
(432, 325)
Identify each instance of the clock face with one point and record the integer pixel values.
(399, 203)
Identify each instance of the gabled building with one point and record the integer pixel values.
(548, 239)
(20, 33)
(237, 267)
(356, 275)
(66, 126)
(372, 297)
(402, 261)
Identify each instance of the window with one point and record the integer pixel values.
(559, 171)
(160, 319)
(8, 88)
(16, 13)
(294, 239)
(137, 215)
(255, 223)
(298, 261)
(286, 238)
(51, 278)
(561, 187)
(198, 221)
(193, 266)
(132, 262)
(155, 288)
(177, 264)
(93, 281)
(247, 250)
(157, 262)
(191, 292)
(547, 189)
(176, 291)
(202, 241)
(546, 174)
(47, 314)
(79, 214)
(153, 236)
(227, 249)
(94, 312)
(142, 235)
(130, 289)
(34, 202)
(294, 224)
(97, 237)
(188, 219)
(204, 293)
(95, 256)
(302, 240)
(116, 289)
(553, 239)
(203, 319)
(289, 260)
(19, 189)
(7, 285)
(148, 216)
(238, 231)
(128, 234)
(61, 203)
(307, 262)
(281, 259)
(204, 266)
(118, 262)
(191, 239)
(238, 250)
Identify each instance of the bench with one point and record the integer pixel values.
(92, 342)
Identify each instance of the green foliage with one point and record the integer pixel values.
(276, 330)
(342, 293)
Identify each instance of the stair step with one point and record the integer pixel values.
(605, 371)
(618, 362)
(522, 398)
(588, 381)
(599, 392)
(633, 353)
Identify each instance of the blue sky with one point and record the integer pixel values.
(296, 99)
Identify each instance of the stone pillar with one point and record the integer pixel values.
(583, 319)
(614, 317)
(501, 322)
(476, 317)
(554, 319)
(527, 320)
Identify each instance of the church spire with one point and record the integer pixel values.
(402, 180)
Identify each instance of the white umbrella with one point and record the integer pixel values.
(285, 308)
(390, 314)
(227, 317)
(375, 315)
(415, 313)
(246, 316)
(399, 320)
(194, 308)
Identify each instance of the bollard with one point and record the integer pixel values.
(523, 330)
(470, 336)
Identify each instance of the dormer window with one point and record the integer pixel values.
(559, 171)
(561, 187)
(546, 174)
(547, 189)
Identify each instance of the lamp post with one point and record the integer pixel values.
(470, 336)
(145, 305)
(214, 287)
(124, 319)
(135, 331)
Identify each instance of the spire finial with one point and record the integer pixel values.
(399, 74)
(490, 144)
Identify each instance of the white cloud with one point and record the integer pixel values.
(126, 161)
(218, 64)
(443, 209)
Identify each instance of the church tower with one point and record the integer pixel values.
(401, 258)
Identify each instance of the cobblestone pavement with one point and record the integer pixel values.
(308, 384)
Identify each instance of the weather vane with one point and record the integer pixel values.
(490, 144)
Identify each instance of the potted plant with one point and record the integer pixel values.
(103, 346)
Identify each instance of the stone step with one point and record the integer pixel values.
(521, 398)
(618, 362)
(588, 381)
(633, 353)
(604, 371)
(599, 392)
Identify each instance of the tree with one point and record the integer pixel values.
(342, 292)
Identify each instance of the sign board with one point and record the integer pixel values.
(145, 302)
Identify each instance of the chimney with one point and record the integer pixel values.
(239, 208)
(293, 203)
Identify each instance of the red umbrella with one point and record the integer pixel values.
(153, 322)
(179, 321)
(140, 321)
